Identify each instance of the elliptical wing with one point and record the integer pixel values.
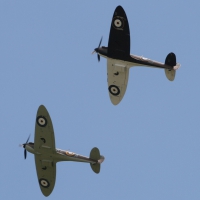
(44, 146)
(119, 39)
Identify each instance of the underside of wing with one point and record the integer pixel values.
(119, 39)
(46, 172)
(118, 74)
(44, 141)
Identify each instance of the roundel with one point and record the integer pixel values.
(118, 22)
(114, 90)
(41, 121)
(44, 183)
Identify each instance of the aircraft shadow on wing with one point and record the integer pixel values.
(119, 59)
(46, 155)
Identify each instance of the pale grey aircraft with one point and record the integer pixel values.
(119, 59)
(46, 155)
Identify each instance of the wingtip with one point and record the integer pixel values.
(119, 8)
(114, 100)
(42, 107)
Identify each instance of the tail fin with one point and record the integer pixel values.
(95, 155)
(171, 61)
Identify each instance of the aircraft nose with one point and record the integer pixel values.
(96, 50)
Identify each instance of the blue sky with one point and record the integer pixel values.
(150, 140)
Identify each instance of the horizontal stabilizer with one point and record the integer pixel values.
(95, 167)
(170, 74)
(95, 155)
(170, 59)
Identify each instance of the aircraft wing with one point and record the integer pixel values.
(46, 172)
(117, 80)
(119, 39)
(44, 135)
(44, 146)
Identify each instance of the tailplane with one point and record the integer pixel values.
(95, 155)
(171, 61)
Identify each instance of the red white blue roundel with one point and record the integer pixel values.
(114, 90)
(44, 183)
(41, 121)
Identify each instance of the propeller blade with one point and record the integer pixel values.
(96, 50)
(24, 153)
(100, 42)
(24, 145)
(98, 56)
(28, 139)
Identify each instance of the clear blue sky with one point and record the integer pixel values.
(151, 140)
